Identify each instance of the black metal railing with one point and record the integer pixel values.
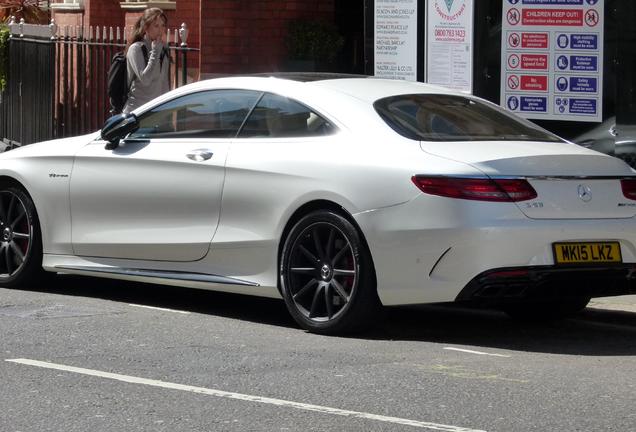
(4, 112)
(57, 83)
(29, 97)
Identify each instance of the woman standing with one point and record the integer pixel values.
(148, 59)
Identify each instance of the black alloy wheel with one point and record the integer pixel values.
(327, 277)
(20, 241)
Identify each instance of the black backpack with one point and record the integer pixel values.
(118, 86)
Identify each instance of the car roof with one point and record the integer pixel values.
(370, 90)
(362, 87)
(306, 76)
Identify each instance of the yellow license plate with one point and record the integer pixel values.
(587, 253)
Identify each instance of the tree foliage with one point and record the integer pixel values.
(32, 13)
(4, 55)
(30, 10)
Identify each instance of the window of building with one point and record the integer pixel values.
(67, 5)
(143, 4)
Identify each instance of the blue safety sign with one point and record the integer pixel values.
(534, 104)
(583, 84)
(577, 63)
(513, 103)
(583, 106)
(584, 41)
(577, 84)
(562, 62)
(584, 63)
(563, 41)
(562, 84)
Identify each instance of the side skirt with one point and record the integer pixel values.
(158, 274)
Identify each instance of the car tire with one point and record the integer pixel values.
(547, 310)
(327, 276)
(20, 239)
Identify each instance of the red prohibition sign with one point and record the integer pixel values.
(513, 61)
(513, 82)
(591, 18)
(513, 16)
(514, 40)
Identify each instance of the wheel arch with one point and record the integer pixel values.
(30, 269)
(6, 179)
(310, 207)
(12, 181)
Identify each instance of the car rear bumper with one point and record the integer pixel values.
(541, 283)
(434, 253)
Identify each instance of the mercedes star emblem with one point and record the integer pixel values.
(585, 193)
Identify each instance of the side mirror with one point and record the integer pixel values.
(118, 127)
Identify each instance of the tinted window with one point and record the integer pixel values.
(433, 117)
(209, 114)
(277, 116)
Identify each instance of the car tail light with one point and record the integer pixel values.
(479, 189)
(629, 188)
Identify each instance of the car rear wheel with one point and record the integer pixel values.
(20, 240)
(547, 310)
(327, 276)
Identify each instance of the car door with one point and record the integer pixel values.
(281, 157)
(157, 195)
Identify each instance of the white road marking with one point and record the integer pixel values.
(158, 308)
(243, 397)
(475, 352)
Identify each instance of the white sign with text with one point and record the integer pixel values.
(396, 39)
(449, 47)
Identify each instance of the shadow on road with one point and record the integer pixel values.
(243, 307)
(594, 332)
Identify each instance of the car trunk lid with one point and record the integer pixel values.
(571, 182)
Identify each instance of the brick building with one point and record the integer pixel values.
(233, 36)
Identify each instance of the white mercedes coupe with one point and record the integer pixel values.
(338, 195)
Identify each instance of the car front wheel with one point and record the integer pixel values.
(20, 241)
(327, 276)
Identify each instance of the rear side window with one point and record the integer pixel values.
(279, 117)
(437, 117)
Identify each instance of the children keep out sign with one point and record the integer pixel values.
(552, 59)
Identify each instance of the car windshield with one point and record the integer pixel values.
(438, 117)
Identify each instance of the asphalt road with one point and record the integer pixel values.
(99, 355)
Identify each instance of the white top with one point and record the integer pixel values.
(147, 81)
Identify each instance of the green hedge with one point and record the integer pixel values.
(4, 55)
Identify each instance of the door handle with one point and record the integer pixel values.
(200, 155)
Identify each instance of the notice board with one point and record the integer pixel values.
(395, 41)
(449, 44)
(552, 59)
